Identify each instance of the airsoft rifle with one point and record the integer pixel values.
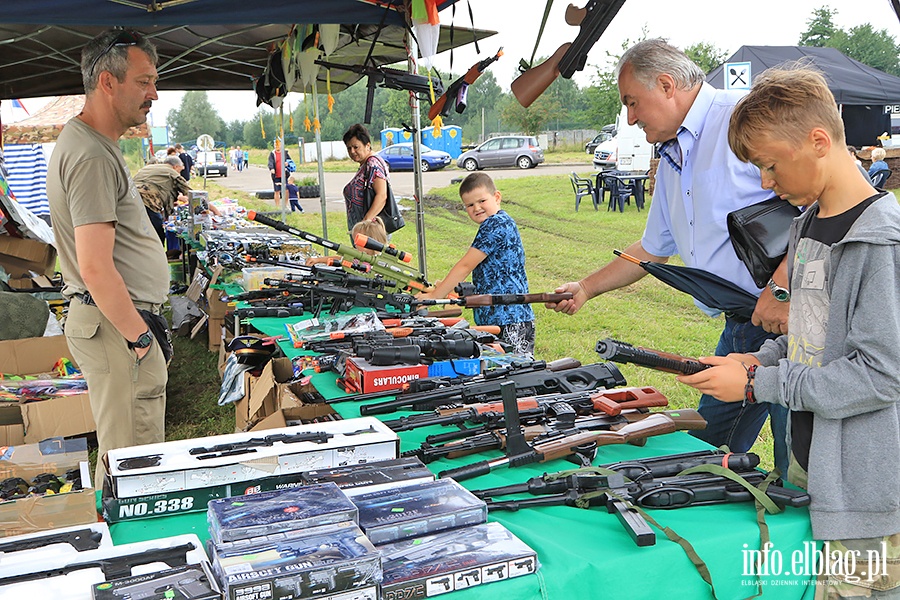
(621, 352)
(593, 19)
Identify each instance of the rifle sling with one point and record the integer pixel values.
(522, 65)
(763, 504)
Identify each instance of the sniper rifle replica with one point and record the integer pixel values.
(527, 379)
(621, 352)
(676, 481)
(112, 567)
(387, 78)
(593, 19)
(455, 95)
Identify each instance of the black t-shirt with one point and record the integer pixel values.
(825, 232)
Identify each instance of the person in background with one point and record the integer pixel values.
(837, 370)
(373, 172)
(698, 182)
(186, 160)
(293, 194)
(373, 229)
(853, 152)
(496, 260)
(246, 159)
(160, 187)
(109, 254)
(878, 163)
(275, 169)
(239, 158)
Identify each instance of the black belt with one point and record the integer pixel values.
(86, 299)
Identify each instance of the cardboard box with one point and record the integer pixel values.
(12, 430)
(216, 308)
(366, 378)
(297, 415)
(57, 417)
(19, 256)
(48, 511)
(214, 327)
(270, 392)
(238, 457)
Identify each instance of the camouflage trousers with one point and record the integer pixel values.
(863, 568)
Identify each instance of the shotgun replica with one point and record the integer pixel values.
(594, 18)
(621, 352)
(457, 91)
(406, 278)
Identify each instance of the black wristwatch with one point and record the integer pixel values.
(144, 340)
(781, 294)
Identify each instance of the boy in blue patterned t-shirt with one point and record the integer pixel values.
(496, 261)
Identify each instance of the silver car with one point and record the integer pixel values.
(520, 151)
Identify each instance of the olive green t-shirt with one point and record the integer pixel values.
(88, 182)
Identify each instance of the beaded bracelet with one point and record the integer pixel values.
(748, 388)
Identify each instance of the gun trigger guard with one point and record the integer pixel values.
(584, 454)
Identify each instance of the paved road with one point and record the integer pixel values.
(258, 178)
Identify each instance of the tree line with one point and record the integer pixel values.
(490, 109)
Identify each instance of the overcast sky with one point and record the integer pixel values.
(726, 24)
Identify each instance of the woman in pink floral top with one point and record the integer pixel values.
(373, 172)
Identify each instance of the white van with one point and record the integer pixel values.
(634, 151)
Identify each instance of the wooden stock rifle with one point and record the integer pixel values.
(567, 445)
(455, 95)
(594, 18)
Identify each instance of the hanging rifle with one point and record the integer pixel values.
(387, 78)
(456, 92)
(593, 19)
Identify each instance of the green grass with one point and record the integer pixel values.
(560, 245)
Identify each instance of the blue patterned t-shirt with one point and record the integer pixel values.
(502, 271)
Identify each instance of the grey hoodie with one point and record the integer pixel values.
(854, 462)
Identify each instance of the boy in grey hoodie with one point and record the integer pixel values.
(838, 370)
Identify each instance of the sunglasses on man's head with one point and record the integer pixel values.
(126, 37)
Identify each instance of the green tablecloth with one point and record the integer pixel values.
(586, 554)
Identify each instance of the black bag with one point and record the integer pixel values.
(390, 214)
(159, 327)
(759, 234)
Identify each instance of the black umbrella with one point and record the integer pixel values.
(708, 288)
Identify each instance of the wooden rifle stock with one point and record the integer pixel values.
(612, 402)
(532, 83)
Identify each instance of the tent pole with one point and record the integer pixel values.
(320, 162)
(283, 151)
(417, 158)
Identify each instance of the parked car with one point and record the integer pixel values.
(400, 157)
(520, 151)
(605, 154)
(601, 137)
(208, 163)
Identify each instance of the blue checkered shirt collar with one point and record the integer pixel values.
(671, 152)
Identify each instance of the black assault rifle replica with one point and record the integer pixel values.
(676, 481)
(593, 20)
(529, 380)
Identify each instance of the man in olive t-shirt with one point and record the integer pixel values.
(111, 259)
(160, 186)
